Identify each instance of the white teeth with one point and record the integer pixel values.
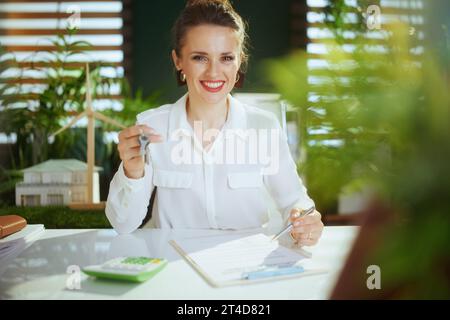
(213, 85)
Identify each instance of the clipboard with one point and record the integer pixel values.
(200, 265)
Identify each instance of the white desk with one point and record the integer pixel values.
(39, 272)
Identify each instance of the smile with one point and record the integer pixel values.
(212, 86)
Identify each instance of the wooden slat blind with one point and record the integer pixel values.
(311, 31)
(329, 133)
(26, 26)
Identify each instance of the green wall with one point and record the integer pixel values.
(152, 22)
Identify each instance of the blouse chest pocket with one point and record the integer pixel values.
(239, 180)
(172, 179)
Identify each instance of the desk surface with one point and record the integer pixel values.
(41, 271)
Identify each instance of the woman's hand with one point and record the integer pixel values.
(130, 150)
(308, 229)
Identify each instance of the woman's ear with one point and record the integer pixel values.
(176, 60)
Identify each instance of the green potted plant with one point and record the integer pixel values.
(330, 132)
(33, 117)
(394, 127)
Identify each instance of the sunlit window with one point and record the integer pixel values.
(27, 29)
(319, 33)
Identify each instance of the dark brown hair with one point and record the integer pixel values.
(214, 12)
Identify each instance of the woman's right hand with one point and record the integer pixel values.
(129, 149)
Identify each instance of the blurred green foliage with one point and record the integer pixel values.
(364, 94)
(33, 117)
(53, 217)
(8, 180)
(391, 113)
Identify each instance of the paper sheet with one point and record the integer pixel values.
(221, 259)
(19, 240)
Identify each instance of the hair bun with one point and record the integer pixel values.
(225, 3)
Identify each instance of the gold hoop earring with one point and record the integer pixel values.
(182, 76)
(237, 78)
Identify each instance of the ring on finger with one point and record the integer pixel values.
(294, 239)
(292, 236)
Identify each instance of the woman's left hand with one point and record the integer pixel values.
(308, 229)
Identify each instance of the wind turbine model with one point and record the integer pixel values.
(92, 116)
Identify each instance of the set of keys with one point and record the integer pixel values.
(144, 142)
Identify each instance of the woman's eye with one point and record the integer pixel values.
(199, 58)
(228, 58)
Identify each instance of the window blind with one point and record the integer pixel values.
(313, 25)
(28, 27)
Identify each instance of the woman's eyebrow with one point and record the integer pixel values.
(199, 52)
(206, 53)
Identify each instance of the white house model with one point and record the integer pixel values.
(56, 182)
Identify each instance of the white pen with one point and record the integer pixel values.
(290, 225)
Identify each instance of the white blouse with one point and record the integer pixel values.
(222, 188)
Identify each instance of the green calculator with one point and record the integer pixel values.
(136, 269)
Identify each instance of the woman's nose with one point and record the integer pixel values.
(213, 68)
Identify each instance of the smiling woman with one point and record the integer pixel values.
(209, 62)
(212, 13)
(225, 184)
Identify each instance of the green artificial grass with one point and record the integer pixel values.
(60, 217)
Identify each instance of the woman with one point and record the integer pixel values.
(208, 151)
